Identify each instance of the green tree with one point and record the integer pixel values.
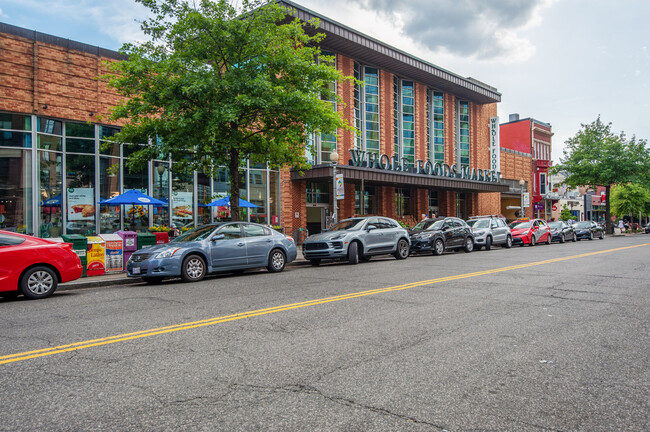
(596, 156)
(217, 85)
(566, 214)
(628, 199)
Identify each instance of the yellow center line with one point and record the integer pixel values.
(227, 318)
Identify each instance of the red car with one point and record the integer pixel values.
(530, 231)
(34, 266)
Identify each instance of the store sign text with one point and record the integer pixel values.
(361, 158)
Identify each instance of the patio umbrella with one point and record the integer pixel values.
(225, 202)
(133, 197)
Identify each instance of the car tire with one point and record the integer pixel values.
(277, 261)
(438, 247)
(353, 253)
(193, 268)
(402, 251)
(602, 236)
(591, 235)
(549, 239)
(562, 239)
(575, 238)
(533, 242)
(314, 262)
(488, 243)
(508, 242)
(469, 245)
(153, 280)
(38, 282)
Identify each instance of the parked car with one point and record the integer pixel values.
(218, 247)
(441, 234)
(647, 229)
(562, 231)
(33, 266)
(530, 232)
(357, 239)
(489, 231)
(589, 230)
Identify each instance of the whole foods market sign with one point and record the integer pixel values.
(361, 158)
(495, 150)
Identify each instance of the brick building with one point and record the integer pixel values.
(423, 144)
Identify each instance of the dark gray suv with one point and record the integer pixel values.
(357, 239)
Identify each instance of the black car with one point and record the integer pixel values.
(441, 234)
(562, 231)
(589, 230)
(647, 229)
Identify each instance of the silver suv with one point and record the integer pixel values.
(489, 231)
(357, 239)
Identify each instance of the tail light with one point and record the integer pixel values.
(291, 239)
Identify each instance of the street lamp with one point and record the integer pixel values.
(522, 182)
(334, 157)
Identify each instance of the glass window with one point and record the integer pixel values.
(161, 191)
(136, 218)
(436, 126)
(204, 197)
(369, 202)
(75, 145)
(9, 240)
(404, 106)
(257, 190)
(79, 130)
(274, 198)
(366, 108)
(15, 139)
(463, 128)
(16, 190)
(231, 231)
(255, 231)
(80, 184)
(182, 199)
(49, 126)
(109, 186)
(15, 122)
(402, 202)
(51, 188)
(318, 193)
(49, 142)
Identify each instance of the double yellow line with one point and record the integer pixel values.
(222, 319)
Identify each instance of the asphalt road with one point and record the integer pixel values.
(525, 339)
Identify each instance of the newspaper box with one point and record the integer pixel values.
(114, 253)
(96, 256)
(129, 245)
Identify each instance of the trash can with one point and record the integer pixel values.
(146, 239)
(114, 253)
(161, 237)
(96, 256)
(80, 247)
(129, 245)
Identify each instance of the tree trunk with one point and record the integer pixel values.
(608, 217)
(234, 184)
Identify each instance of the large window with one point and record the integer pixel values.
(402, 202)
(404, 118)
(136, 218)
(160, 182)
(51, 188)
(365, 203)
(182, 207)
(323, 144)
(80, 193)
(16, 190)
(366, 108)
(109, 186)
(436, 126)
(257, 189)
(463, 133)
(14, 130)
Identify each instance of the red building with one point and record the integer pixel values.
(531, 138)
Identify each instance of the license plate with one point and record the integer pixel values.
(135, 270)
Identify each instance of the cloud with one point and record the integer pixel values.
(3, 15)
(480, 29)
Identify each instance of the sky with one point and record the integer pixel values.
(563, 62)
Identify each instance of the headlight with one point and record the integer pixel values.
(338, 237)
(168, 253)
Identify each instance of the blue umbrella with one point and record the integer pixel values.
(133, 197)
(52, 202)
(225, 202)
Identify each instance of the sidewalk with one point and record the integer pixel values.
(123, 279)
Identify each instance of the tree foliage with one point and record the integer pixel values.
(596, 156)
(217, 85)
(565, 214)
(628, 199)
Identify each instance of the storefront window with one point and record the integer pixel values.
(274, 198)
(402, 202)
(16, 191)
(136, 218)
(182, 200)
(161, 192)
(318, 193)
(222, 189)
(369, 201)
(51, 188)
(15, 122)
(257, 190)
(463, 129)
(109, 181)
(80, 184)
(204, 195)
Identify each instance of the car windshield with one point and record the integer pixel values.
(196, 234)
(520, 225)
(348, 224)
(429, 225)
(479, 223)
(583, 225)
(555, 224)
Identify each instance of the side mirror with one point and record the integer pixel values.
(217, 237)
(370, 228)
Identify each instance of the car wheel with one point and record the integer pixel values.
(402, 251)
(549, 239)
(602, 235)
(562, 239)
(438, 247)
(152, 280)
(353, 253)
(532, 240)
(591, 235)
(488, 243)
(575, 238)
(277, 261)
(315, 262)
(38, 282)
(508, 242)
(469, 245)
(193, 269)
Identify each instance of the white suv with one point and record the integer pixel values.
(489, 231)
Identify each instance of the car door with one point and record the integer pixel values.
(391, 233)
(449, 231)
(258, 244)
(497, 231)
(227, 248)
(373, 236)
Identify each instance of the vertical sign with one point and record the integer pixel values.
(339, 187)
(526, 199)
(495, 150)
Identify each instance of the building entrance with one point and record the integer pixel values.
(316, 217)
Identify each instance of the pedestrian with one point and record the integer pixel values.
(621, 226)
